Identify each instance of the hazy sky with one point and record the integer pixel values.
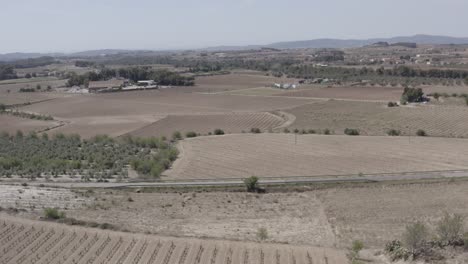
(75, 25)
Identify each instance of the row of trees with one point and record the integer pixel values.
(161, 77)
(7, 72)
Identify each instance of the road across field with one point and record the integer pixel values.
(382, 177)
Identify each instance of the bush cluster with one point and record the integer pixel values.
(351, 132)
(418, 241)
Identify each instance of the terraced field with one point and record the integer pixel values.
(24, 241)
(280, 155)
(203, 124)
(376, 118)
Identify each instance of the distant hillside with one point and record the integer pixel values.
(23, 56)
(315, 43)
(351, 43)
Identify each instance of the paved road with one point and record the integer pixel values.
(409, 176)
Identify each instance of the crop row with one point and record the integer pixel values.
(54, 244)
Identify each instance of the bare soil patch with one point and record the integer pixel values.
(282, 155)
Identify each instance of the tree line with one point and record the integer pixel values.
(161, 77)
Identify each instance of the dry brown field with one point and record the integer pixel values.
(282, 155)
(40, 242)
(203, 124)
(438, 120)
(11, 124)
(365, 93)
(237, 81)
(16, 85)
(121, 113)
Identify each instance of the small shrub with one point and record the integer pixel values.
(255, 130)
(262, 234)
(356, 247)
(466, 100)
(326, 131)
(421, 133)
(436, 96)
(176, 135)
(351, 132)
(190, 134)
(450, 228)
(296, 131)
(53, 214)
(286, 130)
(415, 237)
(251, 184)
(392, 104)
(311, 131)
(396, 251)
(393, 132)
(218, 132)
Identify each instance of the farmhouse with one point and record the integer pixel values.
(100, 86)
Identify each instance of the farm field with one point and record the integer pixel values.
(203, 124)
(376, 93)
(237, 81)
(376, 118)
(282, 155)
(11, 124)
(25, 242)
(113, 126)
(17, 84)
(122, 113)
(159, 102)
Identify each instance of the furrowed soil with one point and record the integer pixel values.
(121, 113)
(41, 242)
(283, 155)
(377, 119)
(204, 124)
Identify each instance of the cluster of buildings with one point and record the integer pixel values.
(114, 85)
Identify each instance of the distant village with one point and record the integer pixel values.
(116, 85)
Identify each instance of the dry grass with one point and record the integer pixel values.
(270, 155)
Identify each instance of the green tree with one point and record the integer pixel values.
(251, 184)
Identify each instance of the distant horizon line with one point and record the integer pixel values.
(208, 47)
